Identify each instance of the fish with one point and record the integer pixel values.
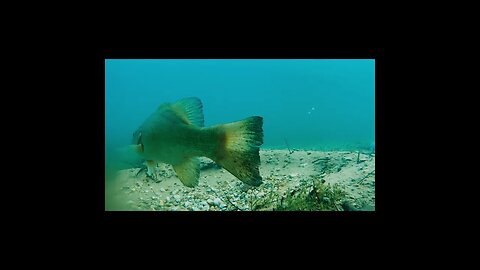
(175, 134)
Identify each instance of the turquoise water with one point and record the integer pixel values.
(313, 104)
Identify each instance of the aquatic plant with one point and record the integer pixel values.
(288, 147)
(317, 196)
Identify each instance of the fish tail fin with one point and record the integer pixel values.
(238, 150)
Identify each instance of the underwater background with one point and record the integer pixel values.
(313, 104)
(318, 151)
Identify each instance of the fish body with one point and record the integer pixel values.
(175, 134)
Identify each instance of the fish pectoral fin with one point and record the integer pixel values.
(188, 171)
(151, 165)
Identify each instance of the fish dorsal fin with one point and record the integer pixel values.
(188, 171)
(190, 110)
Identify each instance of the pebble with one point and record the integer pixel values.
(217, 202)
(176, 197)
(204, 205)
(162, 189)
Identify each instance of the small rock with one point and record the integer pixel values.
(204, 205)
(162, 189)
(217, 202)
(176, 197)
(308, 153)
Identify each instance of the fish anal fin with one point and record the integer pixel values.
(188, 171)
